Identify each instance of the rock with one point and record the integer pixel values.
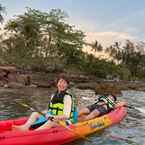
(44, 84)
(78, 77)
(3, 76)
(23, 79)
(1, 84)
(89, 85)
(108, 88)
(12, 77)
(9, 75)
(124, 85)
(8, 68)
(14, 85)
(33, 86)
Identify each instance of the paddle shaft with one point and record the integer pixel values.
(31, 108)
(36, 110)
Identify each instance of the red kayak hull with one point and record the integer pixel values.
(58, 135)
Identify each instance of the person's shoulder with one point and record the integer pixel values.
(67, 97)
(68, 92)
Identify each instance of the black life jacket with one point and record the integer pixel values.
(108, 101)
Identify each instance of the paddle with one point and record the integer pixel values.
(31, 108)
(139, 109)
(51, 118)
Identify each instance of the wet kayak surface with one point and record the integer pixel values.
(131, 131)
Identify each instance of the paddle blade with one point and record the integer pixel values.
(140, 109)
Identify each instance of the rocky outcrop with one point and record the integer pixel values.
(109, 86)
(10, 77)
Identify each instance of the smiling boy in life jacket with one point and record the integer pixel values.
(60, 108)
(104, 103)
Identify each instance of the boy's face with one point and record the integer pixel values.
(62, 85)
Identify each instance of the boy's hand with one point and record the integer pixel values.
(49, 117)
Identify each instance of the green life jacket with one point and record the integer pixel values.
(109, 102)
(56, 104)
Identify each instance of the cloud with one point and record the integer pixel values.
(108, 38)
(118, 30)
(120, 25)
(105, 39)
(132, 23)
(83, 24)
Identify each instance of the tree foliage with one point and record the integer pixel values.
(130, 55)
(42, 36)
(45, 41)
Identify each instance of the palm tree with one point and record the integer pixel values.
(2, 9)
(95, 46)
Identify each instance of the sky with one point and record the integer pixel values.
(104, 20)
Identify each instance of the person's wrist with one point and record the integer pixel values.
(51, 118)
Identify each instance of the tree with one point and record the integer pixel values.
(2, 10)
(42, 37)
(130, 55)
(95, 46)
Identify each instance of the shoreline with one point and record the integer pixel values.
(77, 80)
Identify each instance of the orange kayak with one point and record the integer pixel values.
(58, 135)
